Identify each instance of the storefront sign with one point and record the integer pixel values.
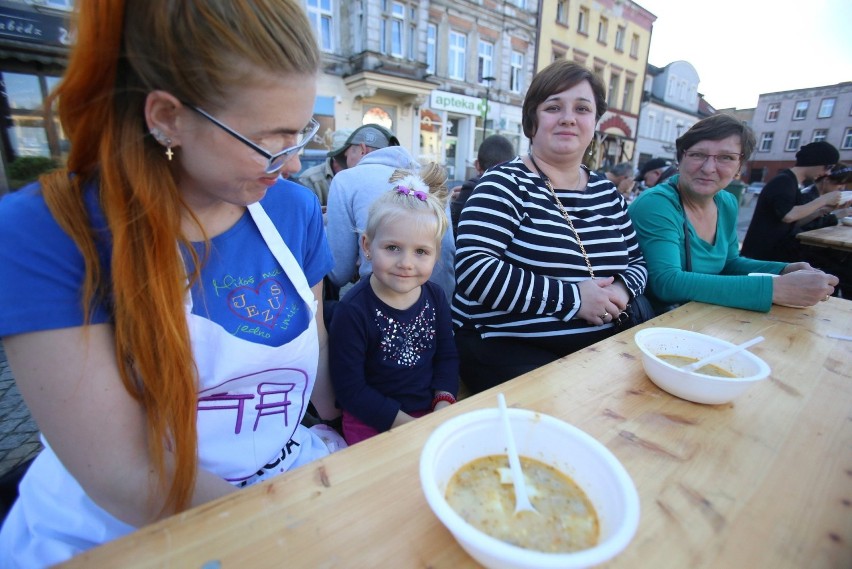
(444, 101)
(34, 27)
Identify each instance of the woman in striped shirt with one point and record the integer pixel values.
(546, 257)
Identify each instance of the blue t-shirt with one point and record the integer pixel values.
(242, 286)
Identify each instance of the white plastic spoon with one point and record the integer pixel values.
(522, 501)
(719, 355)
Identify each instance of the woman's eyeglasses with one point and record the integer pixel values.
(723, 160)
(275, 161)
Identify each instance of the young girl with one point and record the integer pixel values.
(391, 337)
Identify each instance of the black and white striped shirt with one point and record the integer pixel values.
(518, 262)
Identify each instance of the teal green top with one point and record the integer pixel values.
(719, 274)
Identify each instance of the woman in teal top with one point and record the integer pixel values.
(687, 228)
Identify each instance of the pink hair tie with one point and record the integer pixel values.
(420, 195)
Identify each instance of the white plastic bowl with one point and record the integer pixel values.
(692, 386)
(590, 464)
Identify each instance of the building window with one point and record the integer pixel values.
(27, 126)
(651, 126)
(772, 112)
(583, 21)
(620, 32)
(612, 96)
(847, 139)
(458, 46)
(793, 140)
(486, 61)
(634, 46)
(321, 16)
(826, 108)
(801, 110)
(766, 141)
(627, 100)
(603, 29)
(562, 12)
(517, 69)
(397, 29)
(557, 55)
(667, 129)
(431, 47)
(820, 134)
(672, 87)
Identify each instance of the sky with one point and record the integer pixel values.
(742, 48)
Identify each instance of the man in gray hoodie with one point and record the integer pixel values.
(351, 193)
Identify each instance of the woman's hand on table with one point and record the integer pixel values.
(601, 300)
(801, 266)
(802, 287)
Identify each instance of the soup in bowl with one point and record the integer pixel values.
(666, 350)
(604, 482)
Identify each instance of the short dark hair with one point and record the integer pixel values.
(494, 150)
(717, 127)
(623, 169)
(555, 78)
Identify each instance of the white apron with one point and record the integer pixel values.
(251, 402)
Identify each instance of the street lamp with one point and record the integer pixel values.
(485, 115)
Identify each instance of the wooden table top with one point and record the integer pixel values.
(834, 237)
(765, 481)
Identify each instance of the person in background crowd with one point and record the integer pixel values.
(653, 172)
(494, 150)
(547, 258)
(835, 180)
(363, 140)
(832, 261)
(687, 228)
(622, 176)
(318, 177)
(781, 205)
(132, 314)
(352, 193)
(392, 336)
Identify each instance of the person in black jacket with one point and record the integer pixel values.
(494, 150)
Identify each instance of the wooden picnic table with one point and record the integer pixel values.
(765, 481)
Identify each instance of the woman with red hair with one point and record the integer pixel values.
(159, 297)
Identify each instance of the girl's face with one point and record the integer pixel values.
(566, 121)
(216, 168)
(403, 252)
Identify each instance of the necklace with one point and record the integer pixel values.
(564, 212)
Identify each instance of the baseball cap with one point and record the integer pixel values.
(372, 135)
(651, 164)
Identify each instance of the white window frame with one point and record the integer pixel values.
(321, 15)
(562, 12)
(583, 21)
(627, 97)
(800, 111)
(634, 46)
(820, 134)
(826, 107)
(397, 29)
(620, 33)
(457, 52)
(772, 112)
(652, 126)
(847, 139)
(766, 140)
(603, 29)
(794, 140)
(613, 88)
(485, 65)
(431, 48)
(516, 76)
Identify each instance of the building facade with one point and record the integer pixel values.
(34, 42)
(671, 104)
(611, 38)
(785, 121)
(441, 74)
